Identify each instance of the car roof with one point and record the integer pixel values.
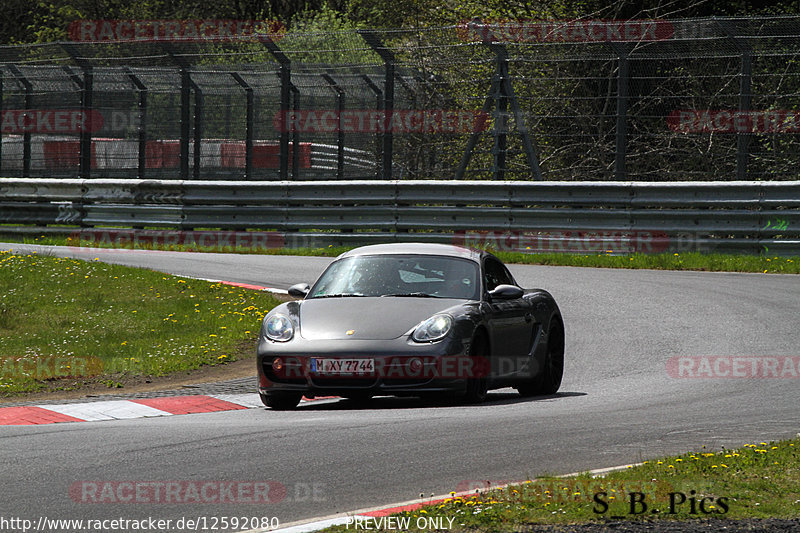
(416, 248)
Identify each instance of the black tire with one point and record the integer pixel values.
(281, 401)
(477, 387)
(548, 380)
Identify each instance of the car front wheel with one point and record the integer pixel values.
(477, 385)
(281, 401)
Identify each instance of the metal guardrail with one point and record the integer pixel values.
(744, 217)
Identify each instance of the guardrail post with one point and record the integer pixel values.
(285, 74)
(141, 89)
(339, 133)
(374, 42)
(26, 136)
(623, 77)
(250, 122)
(379, 106)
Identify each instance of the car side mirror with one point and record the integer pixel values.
(506, 292)
(299, 290)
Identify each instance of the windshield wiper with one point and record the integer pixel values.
(338, 295)
(411, 295)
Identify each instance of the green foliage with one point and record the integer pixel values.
(325, 36)
(47, 20)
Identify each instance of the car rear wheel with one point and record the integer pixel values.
(281, 401)
(477, 386)
(548, 380)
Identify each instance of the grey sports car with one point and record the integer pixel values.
(411, 320)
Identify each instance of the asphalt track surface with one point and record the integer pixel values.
(617, 404)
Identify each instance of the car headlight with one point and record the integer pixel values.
(433, 329)
(279, 328)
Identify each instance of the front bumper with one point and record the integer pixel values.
(401, 367)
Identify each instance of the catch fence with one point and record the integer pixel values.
(668, 100)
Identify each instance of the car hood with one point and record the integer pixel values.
(367, 318)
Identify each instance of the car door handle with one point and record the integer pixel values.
(528, 317)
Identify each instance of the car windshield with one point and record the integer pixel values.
(401, 276)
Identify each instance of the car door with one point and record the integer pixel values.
(510, 322)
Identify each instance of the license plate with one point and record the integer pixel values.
(343, 366)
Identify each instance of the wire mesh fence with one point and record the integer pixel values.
(699, 99)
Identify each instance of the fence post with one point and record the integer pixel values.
(142, 130)
(501, 95)
(379, 106)
(86, 133)
(26, 136)
(198, 128)
(1, 129)
(285, 74)
(374, 42)
(249, 124)
(186, 112)
(286, 81)
(500, 146)
(186, 117)
(623, 80)
(87, 90)
(339, 133)
(295, 135)
(745, 101)
(745, 95)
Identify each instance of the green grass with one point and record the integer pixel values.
(760, 480)
(664, 261)
(57, 240)
(770, 264)
(64, 318)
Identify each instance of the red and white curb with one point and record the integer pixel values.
(127, 409)
(124, 409)
(244, 285)
(375, 517)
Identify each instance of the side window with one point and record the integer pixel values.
(496, 274)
